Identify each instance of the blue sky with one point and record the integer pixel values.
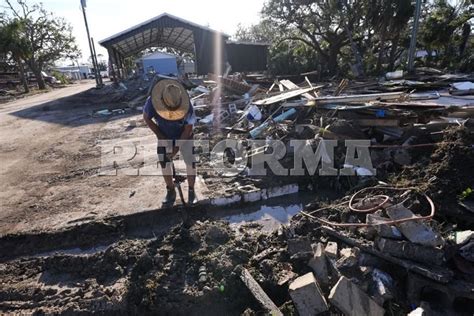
(107, 17)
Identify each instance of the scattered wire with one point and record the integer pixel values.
(389, 222)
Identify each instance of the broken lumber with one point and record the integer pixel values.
(234, 86)
(356, 98)
(290, 85)
(285, 96)
(259, 293)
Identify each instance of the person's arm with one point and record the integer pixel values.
(187, 132)
(152, 125)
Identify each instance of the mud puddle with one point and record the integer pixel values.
(269, 214)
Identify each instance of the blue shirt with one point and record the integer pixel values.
(170, 129)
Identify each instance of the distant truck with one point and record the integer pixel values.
(47, 78)
(10, 80)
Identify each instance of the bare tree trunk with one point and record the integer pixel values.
(21, 72)
(39, 77)
(381, 52)
(393, 52)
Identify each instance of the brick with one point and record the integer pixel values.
(352, 301)
(307, 296)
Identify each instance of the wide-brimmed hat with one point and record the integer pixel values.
(170, 100)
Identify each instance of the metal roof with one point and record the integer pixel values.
(164, 30)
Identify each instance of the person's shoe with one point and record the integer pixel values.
(170, 197)
(191, 197)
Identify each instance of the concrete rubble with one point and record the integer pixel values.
(351, 300)
(307, 295)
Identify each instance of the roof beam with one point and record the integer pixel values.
(136, 42)
(181, 33)
(189, 36)
(143, 36)
(169, 35)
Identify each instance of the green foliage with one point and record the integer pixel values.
(61, 77)
(310, 35)
(47, 38)
(102, 65)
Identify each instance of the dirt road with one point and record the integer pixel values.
(50, 161)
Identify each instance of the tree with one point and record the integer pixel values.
(317, 23)
(15, 46)
(446, 30)
(389, 18)
(48, 38)
(286, 55)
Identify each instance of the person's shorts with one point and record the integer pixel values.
(184, 154)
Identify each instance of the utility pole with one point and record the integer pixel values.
(412, 51)
(98, 80)
(96, 63)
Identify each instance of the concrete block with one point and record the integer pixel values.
(319, 265)
(415, 231)
(414, 252)
(307, 295)
(331, 249)
(352, 301)
(259, 294)
(387, 231)
(349, 257)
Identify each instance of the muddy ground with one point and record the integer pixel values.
(50, 157)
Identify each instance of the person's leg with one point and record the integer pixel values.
(186, 150)
(166, 167)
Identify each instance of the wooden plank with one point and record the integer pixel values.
(378, 122)
(259, 294)
(285, 96)
(290, 85)
(359, 98)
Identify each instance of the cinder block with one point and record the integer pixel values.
(307, 295)
(319, 264)
(352, 301)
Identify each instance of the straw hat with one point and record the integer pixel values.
(170, 100)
